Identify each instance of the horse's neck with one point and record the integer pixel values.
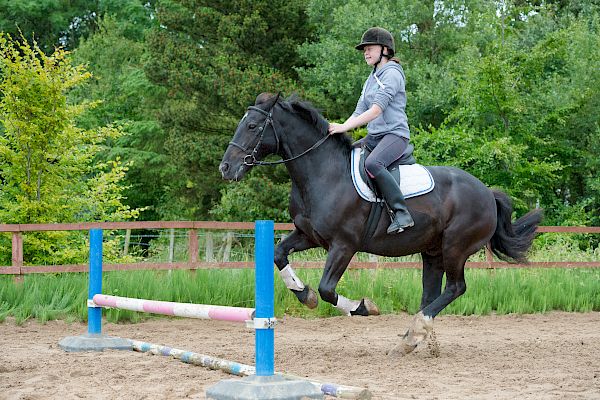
(320, 169)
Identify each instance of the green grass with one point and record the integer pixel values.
(502, 291)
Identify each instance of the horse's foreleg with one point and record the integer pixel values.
(337, 261)
(295, 241)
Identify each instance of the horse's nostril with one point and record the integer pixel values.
(224, 167)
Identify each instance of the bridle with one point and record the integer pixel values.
(250, 157)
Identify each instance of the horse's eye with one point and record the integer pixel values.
(252, 126)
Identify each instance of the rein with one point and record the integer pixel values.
(250, 159)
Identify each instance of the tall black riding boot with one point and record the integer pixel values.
(395, 200)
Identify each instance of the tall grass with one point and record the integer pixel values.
(502, 291)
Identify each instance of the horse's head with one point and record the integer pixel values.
(254, 139)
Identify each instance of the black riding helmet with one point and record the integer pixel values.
(378, 36)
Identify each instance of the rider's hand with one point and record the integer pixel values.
(336, 128)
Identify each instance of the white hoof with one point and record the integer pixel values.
(420, 329)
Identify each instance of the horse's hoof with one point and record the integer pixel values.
(307, 296)
(366, 307)
(402, 349)
(422, 326)
(371, 307)
(312, 301)
(421, 329)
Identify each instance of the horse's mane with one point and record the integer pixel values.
(310, 114)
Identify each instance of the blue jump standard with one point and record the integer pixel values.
(264, 385)
(94, 340)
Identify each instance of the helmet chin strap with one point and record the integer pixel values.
(381, 55)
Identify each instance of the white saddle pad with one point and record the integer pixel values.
(415, 179)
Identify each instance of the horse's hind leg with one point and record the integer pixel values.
(455, 256)
(295, 241)
(422, 325)
(433, 272)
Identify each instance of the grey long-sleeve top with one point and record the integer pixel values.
(386, 88)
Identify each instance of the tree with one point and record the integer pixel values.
(258, 198)
(213, 59)
(128, 99)
(536, 88)
(54, 23)
(46, 170)
(48, 22)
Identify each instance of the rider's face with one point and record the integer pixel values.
(372, 53)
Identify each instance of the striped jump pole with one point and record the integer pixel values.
(265, 384)
(186, 310)
(235, 368)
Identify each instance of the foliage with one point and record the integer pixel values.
(54, 23)
(494, 161)
(129, 100)
(522, 291)
(214, 59)
(47, 172)
(256, 197)
(536, 94)
(48, 22)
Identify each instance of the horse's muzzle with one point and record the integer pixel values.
(230, 173)
(224, 169)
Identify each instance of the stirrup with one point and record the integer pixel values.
(394, 231)
(400, 228)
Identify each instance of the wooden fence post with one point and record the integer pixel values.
(210, 248)
(193, 245)
(127, 240)
(489, 257)
(171, 245)
(17, 250)
(228, 243)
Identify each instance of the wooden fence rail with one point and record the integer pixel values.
(192, 227)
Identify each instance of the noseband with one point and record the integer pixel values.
(250, 157)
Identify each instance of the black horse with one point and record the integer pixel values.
(458, 218)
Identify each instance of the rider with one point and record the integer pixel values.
(382, 107)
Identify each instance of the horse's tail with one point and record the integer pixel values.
(511, 241)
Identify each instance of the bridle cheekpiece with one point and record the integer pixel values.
(250, 157)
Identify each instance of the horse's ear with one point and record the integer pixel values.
(263, 97)
(269, 98)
